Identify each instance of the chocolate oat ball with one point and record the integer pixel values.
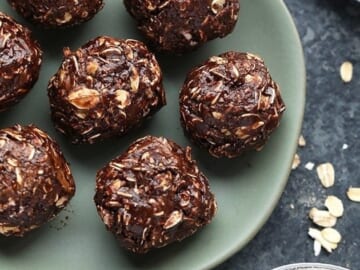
(178, 26)
(230, 104)
(105, 88)
(20, 61)
(57, 13)
(153, 195)
(35, 180)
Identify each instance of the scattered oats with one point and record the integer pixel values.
(2, 142)
(345, 146)
(19, 178)
(346, 71)
(6, 229)
(67, 17)
(353, 194)
(61, 201)
(123, 98)
(309, 166)
(317, 248)
(301, 141)
(92, 67)
(322, 218)
(124, 194)
(316, 234)
(217, 115)
(84, 98)
(331, 235)
(175, 218)
(326, 174)
(134, 80)
(217, 5)
(334, 205)
(296, 162)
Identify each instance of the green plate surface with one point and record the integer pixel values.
(247, 188)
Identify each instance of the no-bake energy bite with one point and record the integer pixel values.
(57, 13)
(178, 26)
(104, 89)
(153, 195)
(35, 180)
(230, 104)
(20, 61)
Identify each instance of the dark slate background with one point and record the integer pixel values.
(330, 33)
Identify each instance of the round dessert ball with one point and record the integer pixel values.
(178, 26)
(230, 104)
(104, 89)
(153, 195)
(35, 180)
(20, 61)
(57, 13)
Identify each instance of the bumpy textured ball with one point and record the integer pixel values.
(57, 13)
(153, 195)
(104, 89)
(35, 180)
(20, 61)
(230, 104)
(176, 26)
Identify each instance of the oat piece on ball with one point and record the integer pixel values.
(230, 104)
(105, 88)
(176, 26)
(153, 195)
(35, 180)
(57, 13)
(20, 61)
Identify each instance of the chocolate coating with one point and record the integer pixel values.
(57, 13)
(20, 61)
(35, 180)
(104, 89)
(153, 195)
(178, 26)
(230, 104)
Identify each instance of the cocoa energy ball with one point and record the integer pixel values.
(20, 61)
(57, 13)
(177, 26)
(105, 88)
(230, 104)
(153, 195)
(35, 180)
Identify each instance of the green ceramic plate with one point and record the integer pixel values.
(247, 188)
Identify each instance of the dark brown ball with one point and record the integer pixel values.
(178, 26)
(57, 13)
(230, 104)
(35, 180)
(153, 195)
(104, 89)
(20, 61)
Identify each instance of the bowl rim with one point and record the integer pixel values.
(299, 266)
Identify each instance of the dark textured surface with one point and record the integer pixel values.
(330, 33)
